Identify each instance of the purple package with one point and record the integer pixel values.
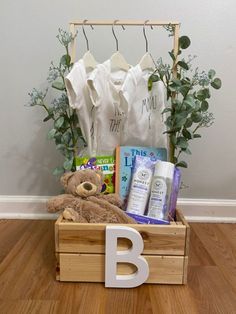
(139, 192)
(141, 219)
(174, 193)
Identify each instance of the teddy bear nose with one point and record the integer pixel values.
(87, 186)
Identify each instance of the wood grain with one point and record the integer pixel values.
(12, 232)
(125, 22)
(172, 299)
(220, 248)
(199, 256)
(80, 249)
(90, 238)
(180, 218)
(208, 283)
(91, 268)
(28, 285)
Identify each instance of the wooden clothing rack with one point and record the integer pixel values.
(174, 24)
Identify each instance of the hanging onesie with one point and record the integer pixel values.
(109, 118)
(79, 99)
(144, 125)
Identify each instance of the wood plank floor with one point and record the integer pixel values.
(27, 277)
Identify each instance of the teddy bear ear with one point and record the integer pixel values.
(66, 176)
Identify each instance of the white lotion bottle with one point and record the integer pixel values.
(140, 185)
(159, 201)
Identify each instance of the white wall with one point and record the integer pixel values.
(28, 44)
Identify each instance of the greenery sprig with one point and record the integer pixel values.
(188, 94)
(66, 131)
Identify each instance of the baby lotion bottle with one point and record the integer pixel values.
(159, 202)
(140, 185)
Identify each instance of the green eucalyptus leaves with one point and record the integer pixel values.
(188, 94)
(66, 131)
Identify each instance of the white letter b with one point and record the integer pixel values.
(131, 256)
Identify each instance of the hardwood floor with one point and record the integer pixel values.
(28, 285)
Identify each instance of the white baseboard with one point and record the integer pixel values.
(24, 207)
(195, 210)
(208, 210)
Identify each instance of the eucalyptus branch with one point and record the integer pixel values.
(197, 127)
(188, 92)
(65, 127)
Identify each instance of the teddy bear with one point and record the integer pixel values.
(83, 201)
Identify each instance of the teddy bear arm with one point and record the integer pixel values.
(72, 215)
(91, 211)
(61, 202)
(111, 213)
(112, 198)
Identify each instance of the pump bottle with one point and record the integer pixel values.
(159, 202)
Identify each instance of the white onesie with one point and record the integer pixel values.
(79, 99)
(144, 125)
(105, 85)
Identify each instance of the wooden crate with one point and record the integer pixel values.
(80, 251)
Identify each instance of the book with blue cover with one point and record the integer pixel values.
(125, 156)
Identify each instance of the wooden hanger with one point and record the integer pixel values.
(117, 59)
(88, 58)
(119, 62)
(146, 62)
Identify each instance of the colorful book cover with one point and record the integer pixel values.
(104, 163)
(125, 156)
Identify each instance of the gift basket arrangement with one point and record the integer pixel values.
(122, 130)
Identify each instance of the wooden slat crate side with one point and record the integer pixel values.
(57, 224)
(185, 272)
(57, 266)
(66, 225)
(180, 217)
(158, 240)
(91, 268)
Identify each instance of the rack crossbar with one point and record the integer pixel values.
(124, 22)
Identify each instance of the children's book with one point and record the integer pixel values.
(125, 156)
(104, 163)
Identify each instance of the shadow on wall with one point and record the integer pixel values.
(43, 158)
(38, 160)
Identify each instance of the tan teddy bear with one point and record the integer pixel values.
(83, 201)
